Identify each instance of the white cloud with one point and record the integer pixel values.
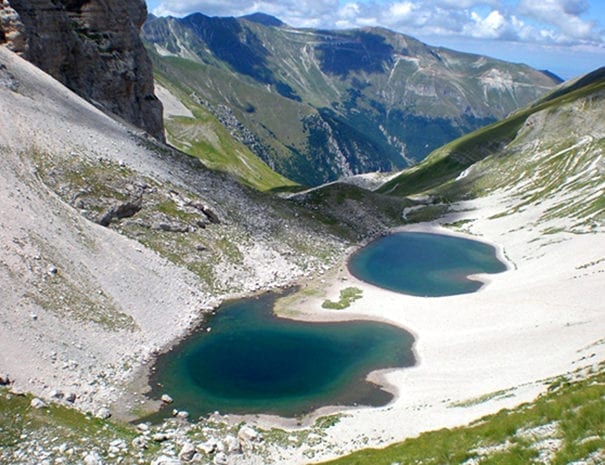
(401, 10)
(544, 21)
(465, 4)
(562, 18)
(349, 11)
(493, 26)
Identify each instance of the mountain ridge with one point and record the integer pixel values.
(449, 169)
(349, 101)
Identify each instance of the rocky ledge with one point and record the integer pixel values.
(91, 46)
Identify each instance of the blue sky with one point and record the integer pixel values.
(566, 37)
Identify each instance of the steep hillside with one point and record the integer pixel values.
(549, 154)
(193, 129)
(316, 105)
(93, 48)
(112, 240)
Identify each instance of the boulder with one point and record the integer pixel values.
(140, 442)
(166, 399)
(231, 445)
(170, 226)
(165, 460)
(103, 413)
(121, 210)
(247, 433)
(208, 213)
(37, 403)
(143, 427)
(221, 459)
(208, 447)
(187, 452)
(160, 437)
(92, 458)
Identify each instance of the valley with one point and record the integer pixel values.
(115, 246)
(318, 105)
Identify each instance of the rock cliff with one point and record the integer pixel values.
(91, 46)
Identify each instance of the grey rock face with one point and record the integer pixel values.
(12, 30)
(91, 46)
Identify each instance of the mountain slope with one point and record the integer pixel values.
(316, 105)
(551, 151)
(196, 131)
(113, 240)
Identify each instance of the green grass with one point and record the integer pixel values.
(484, 398)
(205, 138)
(24, 429)
(443, 165)
(576, 408)
(447, 162)
(347, 297)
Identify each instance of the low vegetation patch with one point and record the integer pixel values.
(58, 434)
(565, 425)
(484, 398)
(347, 297)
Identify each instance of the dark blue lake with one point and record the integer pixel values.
(254, 362)
(425, 264)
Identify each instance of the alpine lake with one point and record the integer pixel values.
(254, 362)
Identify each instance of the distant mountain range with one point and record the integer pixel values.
(316, 105)
(546, 156)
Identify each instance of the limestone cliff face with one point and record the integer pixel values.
(91, 46)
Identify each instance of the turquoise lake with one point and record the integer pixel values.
(425, 264)
(255, 362)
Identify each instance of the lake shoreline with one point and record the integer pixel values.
(523, 327)
(502, 344)
(299, 309)
(253, 362)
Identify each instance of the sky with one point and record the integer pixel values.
(566, 37)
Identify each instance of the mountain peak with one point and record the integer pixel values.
(264, 19)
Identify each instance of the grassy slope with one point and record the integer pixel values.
(552, 147)
(207, 139)
(564, 425)
(444, 165)
(23, 428)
